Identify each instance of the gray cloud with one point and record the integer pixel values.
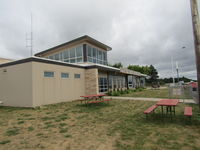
(140, 32)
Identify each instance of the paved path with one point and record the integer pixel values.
(148, 99)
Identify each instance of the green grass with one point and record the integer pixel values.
(63, 130)
(119, 125)
(30, 128)
(4, 142)
(153, 93)
(12, 132)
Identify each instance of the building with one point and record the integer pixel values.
(63, 73)
(5, 60)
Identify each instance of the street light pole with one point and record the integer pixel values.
(196, 31)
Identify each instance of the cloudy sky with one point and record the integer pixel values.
(141, 32)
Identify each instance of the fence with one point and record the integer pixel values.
(183, 92)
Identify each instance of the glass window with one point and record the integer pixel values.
(61, 56)
(66, 54)
(64, 75)
(94, 52)
(130, 81)
(48, 74)
(77, 76)
(79, 59)
(104, 56)
(56, 56)
(72, 53)
(50, 57)
(89, 51)
(66, 60)
(72, 60)
(90, 59)
(103, 84)
(100, 55)
(79, 52)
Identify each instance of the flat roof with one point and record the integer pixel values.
(82, 38)
(55, 62)
(131, 72)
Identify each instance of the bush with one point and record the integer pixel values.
(115, 93)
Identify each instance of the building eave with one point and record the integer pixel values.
(84, 38)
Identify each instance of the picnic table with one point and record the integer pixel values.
(97, 98)
(170, 105)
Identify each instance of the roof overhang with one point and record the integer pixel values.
(55, 62)
(131, 72)
(82, 39)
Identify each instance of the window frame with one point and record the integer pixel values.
(75, 75)
(53, 74)
(64, 73)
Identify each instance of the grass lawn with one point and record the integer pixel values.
(120, 125)
(153, 93)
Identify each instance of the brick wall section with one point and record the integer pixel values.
(91, 81)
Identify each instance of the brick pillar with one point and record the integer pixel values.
(91, 81)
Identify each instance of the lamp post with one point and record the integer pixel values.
(196, 33)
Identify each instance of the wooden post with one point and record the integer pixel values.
(196, 30)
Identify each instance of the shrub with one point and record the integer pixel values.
(115, 93)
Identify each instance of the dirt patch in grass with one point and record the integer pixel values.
(119, 125)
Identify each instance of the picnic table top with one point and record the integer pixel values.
(97, 95)
(167, 102)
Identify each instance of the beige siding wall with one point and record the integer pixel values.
(16, 85)
(49, 90)
(91, 81)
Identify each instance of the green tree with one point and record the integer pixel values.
(141, 69)
(153, 73)
(117, 65)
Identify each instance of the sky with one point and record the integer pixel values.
(140, 32)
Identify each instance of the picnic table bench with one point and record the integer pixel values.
(150, 110)
(188, 111)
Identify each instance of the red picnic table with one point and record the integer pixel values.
(170, 105)
(97, 98)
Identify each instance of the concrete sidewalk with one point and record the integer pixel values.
(149, 99)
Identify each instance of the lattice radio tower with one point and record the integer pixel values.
(29, 38)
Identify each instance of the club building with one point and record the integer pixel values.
(63, 73)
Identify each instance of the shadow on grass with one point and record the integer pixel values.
(167, 119)
(93, 106)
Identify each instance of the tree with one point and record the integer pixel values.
(118, 65)
(153, 75)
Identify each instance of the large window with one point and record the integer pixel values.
(73, 55)
(130, 81)
(103, 84)
(116, 82)
(96, 55)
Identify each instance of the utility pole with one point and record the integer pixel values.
(196, 30)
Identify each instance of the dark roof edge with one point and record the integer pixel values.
(37, 59)
(69, 42)
(101, 67)
(48, 61)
